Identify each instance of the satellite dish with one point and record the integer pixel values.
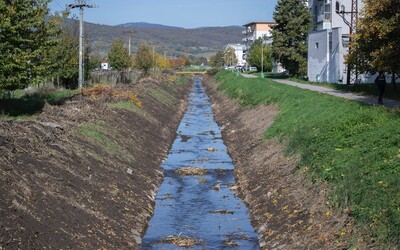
(337, 6)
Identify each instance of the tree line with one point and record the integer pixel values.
(36, 45)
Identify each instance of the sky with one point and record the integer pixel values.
(180, 13)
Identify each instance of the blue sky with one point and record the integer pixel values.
(181, 13)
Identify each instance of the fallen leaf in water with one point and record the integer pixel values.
(181, 241)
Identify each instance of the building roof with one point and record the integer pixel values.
(249, 24)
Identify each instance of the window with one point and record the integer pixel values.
(316, 45)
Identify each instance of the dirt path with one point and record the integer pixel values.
(287, 210)
(84, 174)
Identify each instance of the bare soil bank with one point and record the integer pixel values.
(286, 209)
(84, 174)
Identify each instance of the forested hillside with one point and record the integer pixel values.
(171, 41)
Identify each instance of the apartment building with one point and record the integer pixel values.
(253, 31)
(328, 41)
(239, 52)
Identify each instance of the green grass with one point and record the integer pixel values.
(125, 105)
(181, 80)
(161, 96)
(97, 134)
(352, 146)
(21, 106)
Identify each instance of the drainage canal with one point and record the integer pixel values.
(196, 206)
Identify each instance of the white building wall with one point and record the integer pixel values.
(318, 63)
(337, 57)
(331, 68)
(238, 52)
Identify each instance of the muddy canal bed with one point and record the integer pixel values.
(196, 206)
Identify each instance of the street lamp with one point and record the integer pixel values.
(262, 56)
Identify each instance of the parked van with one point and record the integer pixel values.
(253, 68)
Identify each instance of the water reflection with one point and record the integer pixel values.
(203, 207)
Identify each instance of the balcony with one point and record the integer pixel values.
(324, 17)
(244, 39)
(244, 32)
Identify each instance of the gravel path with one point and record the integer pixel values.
(372, 100)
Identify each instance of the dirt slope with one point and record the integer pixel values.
(84, 174)
(286, 209)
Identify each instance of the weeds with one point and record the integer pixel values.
(97, 134)
(161, 96)
(352, 146)
(109, 93)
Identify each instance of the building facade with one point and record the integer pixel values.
(328, 41)
(253, 31)
(239, 52)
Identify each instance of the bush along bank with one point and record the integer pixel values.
(83, 175)
(351, 146)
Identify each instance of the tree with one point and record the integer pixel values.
(66, 58)
(255, 55)
(118, 56)
(144, 58)
(161, 62)
(376, 44)
(289, 44)
(217, 60)
(26, 35)
(230, 56)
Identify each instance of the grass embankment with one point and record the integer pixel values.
(352, 146)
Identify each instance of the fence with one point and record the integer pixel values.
(113, 77)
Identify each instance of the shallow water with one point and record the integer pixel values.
(200, 207)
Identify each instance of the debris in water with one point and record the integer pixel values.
(181, 241)
(231, 243)
(185, 138)
(237, 236)
(202, 180)
(222, 212)
(222, 170)
(217, 187)
(190, 171)
(211, 149)
(166, 197)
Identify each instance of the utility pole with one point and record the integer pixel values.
(81, 4)
(130, 34)
(352, 72)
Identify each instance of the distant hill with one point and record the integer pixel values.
(148, 26)
(171, 41)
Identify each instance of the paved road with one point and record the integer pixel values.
(372, 100)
